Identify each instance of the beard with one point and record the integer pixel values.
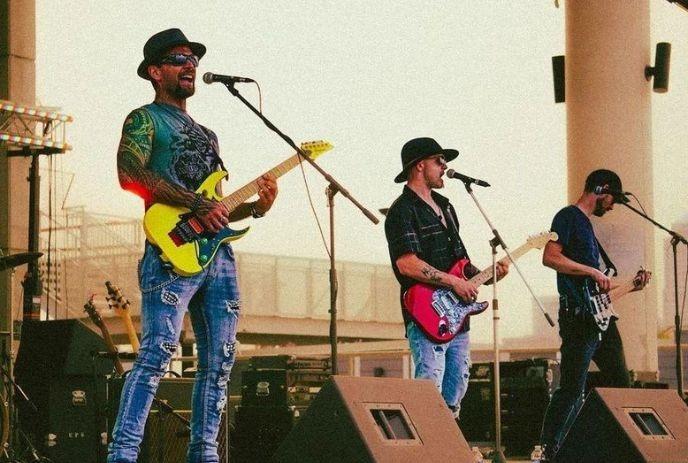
(599, 210)
(182, 92)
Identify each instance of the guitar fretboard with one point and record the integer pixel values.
(486, 274)
(237, 198)
(621, 290)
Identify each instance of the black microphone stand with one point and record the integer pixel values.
(498, 455)
(333, 188)
(675, 239)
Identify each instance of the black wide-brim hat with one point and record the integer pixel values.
(418, 149)
(160, 43)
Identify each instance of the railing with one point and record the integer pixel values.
(89, 249)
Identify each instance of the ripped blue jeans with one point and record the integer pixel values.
(212, 298)
(447, 365)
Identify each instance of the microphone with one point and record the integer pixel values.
(210, 78)
(451, 173)
(619, 196)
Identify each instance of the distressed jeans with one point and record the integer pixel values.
(212, 298)
(447, 365)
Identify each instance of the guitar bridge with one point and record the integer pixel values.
(186, 231)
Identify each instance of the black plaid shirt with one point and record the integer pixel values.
(413, 227)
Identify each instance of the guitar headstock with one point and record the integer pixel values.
(93, 314)
(315, 148)
(541, 239)
(641, 279)
(115, 298)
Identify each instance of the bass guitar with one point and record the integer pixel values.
(95, 317)
(121, 305)
(599, 304)
(180, 236)
(440, 313)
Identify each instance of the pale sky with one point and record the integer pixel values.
(367, 76)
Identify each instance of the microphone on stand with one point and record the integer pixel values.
(210, 78)
(451, 173)
(619, 196)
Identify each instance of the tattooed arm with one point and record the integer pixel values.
(133, 155)
(412, 266)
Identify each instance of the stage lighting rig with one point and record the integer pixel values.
(29, 128)
(30, 131)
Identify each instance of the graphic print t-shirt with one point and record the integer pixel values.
(184, 152)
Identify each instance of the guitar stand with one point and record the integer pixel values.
(333, 188)
(496, 241)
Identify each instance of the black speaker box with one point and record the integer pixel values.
(524, 396)
(56, 348)
(69, 425)
(629, 426)
(358, 419)
(258, 432)
(166, 437)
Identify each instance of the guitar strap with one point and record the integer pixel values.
(607, 261)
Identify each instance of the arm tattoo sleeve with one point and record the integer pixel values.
(431, 274)
(133, 155)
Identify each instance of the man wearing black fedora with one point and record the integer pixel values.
(163, 157)
(422, 231)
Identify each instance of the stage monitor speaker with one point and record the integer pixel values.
(375, 420)
(629, 426)
(59, 348)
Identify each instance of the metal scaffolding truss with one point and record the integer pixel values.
(30, 128)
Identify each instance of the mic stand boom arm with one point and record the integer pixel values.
(333, 188)
(291, 143)
(675, 239)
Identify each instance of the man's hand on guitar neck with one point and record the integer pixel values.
(641, 279)
(267, 192)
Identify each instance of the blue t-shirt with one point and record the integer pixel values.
(577, 238)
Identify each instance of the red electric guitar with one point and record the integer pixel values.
(440, 313)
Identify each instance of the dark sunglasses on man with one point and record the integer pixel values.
(179, 59)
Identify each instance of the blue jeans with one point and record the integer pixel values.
(581, 342)
(212, 298)
(447, 365)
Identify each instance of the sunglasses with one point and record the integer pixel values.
(439, 159)
(179, 59)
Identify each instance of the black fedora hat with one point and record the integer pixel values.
(419, 149)
(160, 43)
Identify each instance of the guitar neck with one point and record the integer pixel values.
(111, 347)
(486, 274)
(237, 198)
(131, 331)
(620, 291)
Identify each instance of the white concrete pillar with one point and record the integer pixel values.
(609, 126)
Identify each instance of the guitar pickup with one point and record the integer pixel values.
(438, 308)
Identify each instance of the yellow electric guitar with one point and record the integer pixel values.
(183, 241)
(120, 305)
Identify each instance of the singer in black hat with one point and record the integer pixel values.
(575, 256)
(422, 230)
(164, 156)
